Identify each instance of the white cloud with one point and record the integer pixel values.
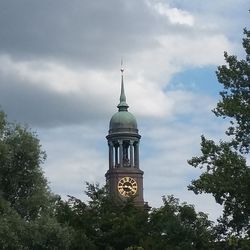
(55, 76)
(88, 89)
(195, 51)
(74, 158)
(174, 15)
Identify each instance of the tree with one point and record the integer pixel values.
(105, 223)
(27, 207)
(110, 224)
(178, 226)
(227, 177)
(235, 103)
(22, 182)
(11, 227)
(226, 174)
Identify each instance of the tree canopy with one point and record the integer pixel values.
(110, 224)
(226, 172)
(27, 206)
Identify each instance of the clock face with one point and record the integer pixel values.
(127, 186)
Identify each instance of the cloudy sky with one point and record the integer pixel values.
(59, 73)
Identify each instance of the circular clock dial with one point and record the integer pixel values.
(127, 186)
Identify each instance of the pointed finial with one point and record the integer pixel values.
(122, 69)
(122, 106)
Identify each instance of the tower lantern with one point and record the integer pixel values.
(124, 177)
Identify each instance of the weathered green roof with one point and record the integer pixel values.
(123, 120)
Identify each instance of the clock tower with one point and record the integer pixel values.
(124, 176)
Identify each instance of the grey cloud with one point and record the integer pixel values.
(97, 33)
(85, 31)
(39, 106)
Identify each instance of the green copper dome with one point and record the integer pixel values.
(123, 120)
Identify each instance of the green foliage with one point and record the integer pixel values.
(109, 224)
(27, 206)
(226, 174)
(178, 226)
(106, 223)
(21, 179)
(46, 233)
(235, 103)
(227, 177)
(11, 227)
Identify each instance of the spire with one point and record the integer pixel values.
(122, 106)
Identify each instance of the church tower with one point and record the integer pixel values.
(124, 177)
